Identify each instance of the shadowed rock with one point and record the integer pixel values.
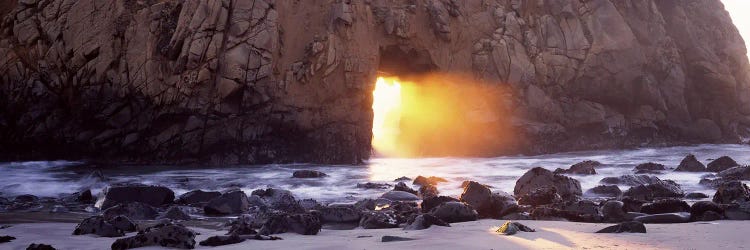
(581, 168)
(389, 238)
(661, 189)
(698, 210)
(721, 164)
(665, 218)
(197, 197)
(452, 212)
(568, 188)
(665, 206)
(625, 227)
(151, 195)
(399, 196)
(424, 221)
(731, 191)
(233, 202)
(690, 164)
(165, 235)
(604, 191)
(133, 210)
(308, 174)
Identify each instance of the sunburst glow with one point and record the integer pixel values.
(386, 107)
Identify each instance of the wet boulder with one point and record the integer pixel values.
(133, 210)
(279, 199)
(38, 246)
(424, 221)
(232, 202)
(699, 209)
(731, 191)
(378, 219)
(649, 167)
(432, 202)
(175, 213)
(487, 203)
(123, 223)
(399, 196)
(661, 189)
(625, 227)
(690, 164)
(582, 168)
(582, 207)
(665, 206)
(99, 226)
(6, 238)
(736, 173)
(613, 211)
(390, 238)
(308, 174)
(696, 196)
(152, 195)
(165, 235)
(372, 185)
(427, 191)
(630, 180)
(568, 188)
(738, 210)
(310, 204)
(197, 197)
(339, 214)
(631, 204)
(304, 223)
(453, 212)
(401, 186)
(721, 164)
(664, 218)
(220, 240)
(245, 224)
(432, 180)
(540, 196)
(402, 178)
(25, 198)
(604, 191)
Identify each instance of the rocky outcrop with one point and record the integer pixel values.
(228, 81)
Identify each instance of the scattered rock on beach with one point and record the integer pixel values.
(660, 189)
(664, 218)
(424, 221)
(197, 197)
(487, 203)
(690, 164)
(625, 227)
(649, 167)
(372, 185)
(696, 196)
(99, 226)
(151, 195)
(219, 240)
(427, 191)
(699, 209)
(402, 178)
(731, 191)
(630, 180)
(737, 210)
(339, 214)
(453, 212)
(613, 211)
(378, 219)
(279, 199)
(568, 188)
(233, 202)
(432, 180)
(736, 173)
(308, 174)
(401, 186)
(389, 238)
(665, 206)
(399, 196)
(540, 196)
(305, 224)
(581, 168)
(165, 235)
(133, 210)
(721, 164)
(432, 202)
(175, 213)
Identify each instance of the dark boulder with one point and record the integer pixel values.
(664, 218)
(402, 178)
(85, 196)
(389, 238)
(305, 224)
(219, 240)
(631, 204)
(279, 199)
(486, 203)
(581, 168)
(721, 164)
(403, 187)
(99, 226)
(165, 235)
(427, 191)
(245, 224)
(690, 164)
(26, 198)
(432, 180)
(133, 210)
(6, 239)
(698, 209)
(696, 196)
(339, 214)
(649, 166)
(308, 174)
(739, 210)
(555, 214)
(736, 173)
(152, 195)
(197, 197)
(432, 202)
(710, 216)
(232, 202)
(665, 206)
(625, 227)
(661, 189)
(604, 191)
(123, 223)
(613, 211)
(568, 188)
(453, 212)
(731, 191)
(424, 221)
(630, 180)
(175, 213)
(540, 196)
(399, 196)
(372, 185)
(378, 219)
(310, 204)
(35, 246)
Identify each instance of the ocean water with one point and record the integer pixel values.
(55, 178)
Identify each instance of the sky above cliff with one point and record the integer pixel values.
(738, 9)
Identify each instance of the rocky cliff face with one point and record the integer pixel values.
(257, 81)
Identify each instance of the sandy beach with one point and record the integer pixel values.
(466, 235)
